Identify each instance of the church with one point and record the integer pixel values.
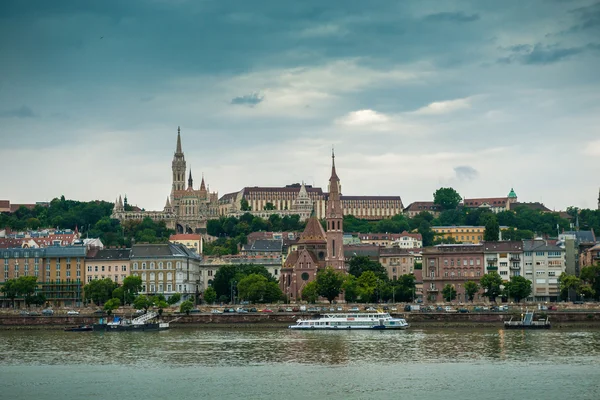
(317, 248)
(187, 209)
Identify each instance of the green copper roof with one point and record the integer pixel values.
(512, 193)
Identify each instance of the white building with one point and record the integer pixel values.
(543, 264)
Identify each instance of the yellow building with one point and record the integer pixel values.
(461, 234)
(189, 240)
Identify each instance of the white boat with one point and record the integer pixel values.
(371, 320)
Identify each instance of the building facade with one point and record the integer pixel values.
(397, 262)
(192, 241)
(186, 209)
(167, 269)
(402, 240)
(494, 204)
(110, 264)
(461, 234)
(452, 264)
(417, 207)
(505, 258)
(543, 263)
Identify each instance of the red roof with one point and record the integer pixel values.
(423, 206)
(185, 236)
(492, 201)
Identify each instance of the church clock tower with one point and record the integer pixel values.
(335, 222)
(178, 167)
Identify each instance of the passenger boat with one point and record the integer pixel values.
(141, 323)
(80, 328)
(371, 320)
(527, 322)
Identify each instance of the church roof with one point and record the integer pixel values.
(313, 232)
(512, 194)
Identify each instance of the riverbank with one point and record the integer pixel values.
(282, 320)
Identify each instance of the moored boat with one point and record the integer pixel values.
(372, 320)
(141, 323)
(80, 328)
(527, 322)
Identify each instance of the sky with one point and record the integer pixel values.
(481, 96)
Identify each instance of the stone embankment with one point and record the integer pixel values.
(559, 319)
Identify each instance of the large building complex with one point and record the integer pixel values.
(186, 209)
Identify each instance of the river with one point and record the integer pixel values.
(282, 364)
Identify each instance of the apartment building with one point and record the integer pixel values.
(544, 261)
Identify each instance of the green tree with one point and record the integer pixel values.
(367, 285)
(273, 293)
(329, 283)
(404, 288)
(360, 264)
(447, 198)
(99, 290)
(9, 288)
(26, 285)
(518, 287)
(186, 307)
(174, 298)
(269, 206)
(426, 233)
(350, 287)
(132, 285)
(244, 206)
(591, 276)
(569, 285)
(492, 229)
(471, 289)
(142, 302)
(159, 302)
(449, 292)
(252, 287)
(490, 283)
(210, 296)
(586, 291)
(112, 304)
(310, 292)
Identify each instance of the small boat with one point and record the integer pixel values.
(80, 328)
(372, 320)
(527, 322)
(141, 323)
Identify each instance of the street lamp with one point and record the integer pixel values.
(233, 292)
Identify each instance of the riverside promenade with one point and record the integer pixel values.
(574, 318)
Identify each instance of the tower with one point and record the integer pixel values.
(178, 167)
(190, 181)
(335, 221)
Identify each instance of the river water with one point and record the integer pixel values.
(282, 364)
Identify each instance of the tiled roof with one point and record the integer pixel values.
(503, 246)
(536, 206)
(540, 245)
(582, 236)
(396, 198)
(361, 250)
(185, 236)
(161, 250)
(110, 254)
(492, 201)
(65, 251)
(313, 232)
(423, 206)
(272, 245)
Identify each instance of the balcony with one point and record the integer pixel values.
(434, 290)
(491, 259)
(515, 258)
(515, 267)
(492, 268)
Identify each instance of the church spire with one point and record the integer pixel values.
(190, 180)
(202, 185)
(333, 173)
(178, 150)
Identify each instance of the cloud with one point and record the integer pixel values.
(452, 17)
(21, 112)
(592, 148)
(589, 18)
(364, 118)
(251, 99)
(465, 173)
(545, 54)
(444, 107)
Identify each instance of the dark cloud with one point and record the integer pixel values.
(251, 99)
(465, 173)
(542, 54)
(452, 17)
(588, 18)
(22, 112)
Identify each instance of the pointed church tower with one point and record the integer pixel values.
(335, 221)
(167, 206)
(202, 184)
(190, 181)
(178, 167)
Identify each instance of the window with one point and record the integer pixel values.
(135, 266)
(503, 272)
(103, 268)
(305, 276)
(478, 261)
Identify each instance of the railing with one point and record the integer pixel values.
(515, 258)
(515, 267)
(492, 259)
(492, 268)
(143, 318)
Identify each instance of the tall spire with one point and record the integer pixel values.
(190, 180)
(333, 173)
(202, 185)
(178, 150)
